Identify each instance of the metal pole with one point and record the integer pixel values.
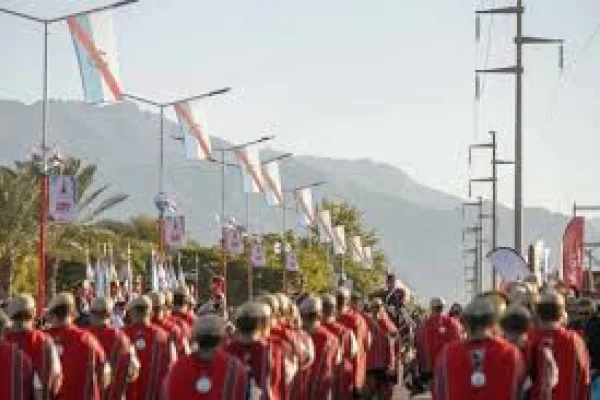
(223, 249)
(479, 234)
(283, 250)
(518, 134)
(43, 182)
(250, 270)
(590, 274)
(494, 204)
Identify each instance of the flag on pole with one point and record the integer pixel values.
(304, 199)
(89, 270)
(95, 46)
(257, 255)
(291, 261)
(195, 139)
(154, 284)
(272, 179)
(175, 231)
(249, 161)
(573, 252)
(126, 275)
(367, 257)
(356, 248)
(324, 222)
(234, 241)
(339, 242)
(62, 198)
(100, 279)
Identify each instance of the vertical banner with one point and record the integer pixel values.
(195, 139)
(291, 261)
(249, 161)
(234, 241)
(367, 257)
(100, 283)
(304, 199)
(62, 197)
(339, 242)
(357, 249)
(272, 180)
(89, 270)
(258, 257)
(154, 284)
(572, 247)
(325, 230)
(95, 46)
(175, 231)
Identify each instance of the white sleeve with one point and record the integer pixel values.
(55, 365)
(37, 383)
(353, 345)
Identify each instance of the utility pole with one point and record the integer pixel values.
(493, 145)
(517, 70)
(477, 231)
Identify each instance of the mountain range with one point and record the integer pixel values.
(420, 227)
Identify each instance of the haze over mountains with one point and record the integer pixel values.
(420, 227)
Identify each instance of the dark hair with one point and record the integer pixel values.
(246, 324)
(328, 308)
(179, 300)
(516, 323)
(437, 308)
(208, 341)
(61, 312)
(23, 316)
(478, 322)
(549, 312)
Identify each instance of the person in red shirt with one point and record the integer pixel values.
(121, 354)
(38, 345)
(263, 359)
(355, 322)
(567, 349)
(86, 371)
(209, 373)
(182, 310)
(17, 377)
(328, 353)
(160, 319)
(343, 377)
(482, 367)
(436, 331)
(153, 349)
(381, 357)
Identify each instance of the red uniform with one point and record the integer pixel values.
(156, 355)
(222, 378)
(264, 363)
(571, 357)
(38, 346)
(117, 347)
(343, 377)
(479, 370)
(319, 379)
(16, 374)
(182, 323)
(435, 332)
(175, 333)
(83, 363)
(381, 357)
(358, 325)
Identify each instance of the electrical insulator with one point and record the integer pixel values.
(477, 88)
(477, 28)
(561, 56)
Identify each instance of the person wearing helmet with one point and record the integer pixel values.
(38, 345)
(484, 366)
(122, 358)
(86, 371)
(209, 373)
(436, 331)
(160, 319)
(153, 349)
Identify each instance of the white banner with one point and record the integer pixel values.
(305, 205)
(195, 139)
(62, 197)
(325, 233)
(249, 161)
(272, 180)
(339, 242)
(291, 261)
(367, 257)
(174, 231)
(508, 264)
(258, 256)
(234, 240)
(357, 249)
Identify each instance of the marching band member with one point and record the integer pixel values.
(209, 373)
(37, 344)
(159, 318)
(86, 372)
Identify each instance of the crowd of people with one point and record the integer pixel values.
(160, 345)
(525, 342)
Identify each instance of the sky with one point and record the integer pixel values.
(389, 80)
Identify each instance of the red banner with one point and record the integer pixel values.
(573, 252)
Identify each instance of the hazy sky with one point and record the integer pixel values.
(390, 80)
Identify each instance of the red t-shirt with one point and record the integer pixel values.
(16, 374)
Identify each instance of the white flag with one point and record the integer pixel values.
(175, 231)
(195, 139)
(339, 242)
(95, 45)
(325, 230)
(234, 241)
(367, 257)
(258, 256)
(154, 279)
(249, 161)
(272, 180)
(304, 199)
(100, 283)
(62, 197)
(357, 249)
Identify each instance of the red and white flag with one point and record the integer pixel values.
(305, 205)
(572, 247)
(249, 160)
(272, 180)
(95, 46)
(195, 139)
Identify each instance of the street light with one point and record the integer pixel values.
(162, 201)
(44, 166)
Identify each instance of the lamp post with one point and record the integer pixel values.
(44, 167)
(162, 201)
